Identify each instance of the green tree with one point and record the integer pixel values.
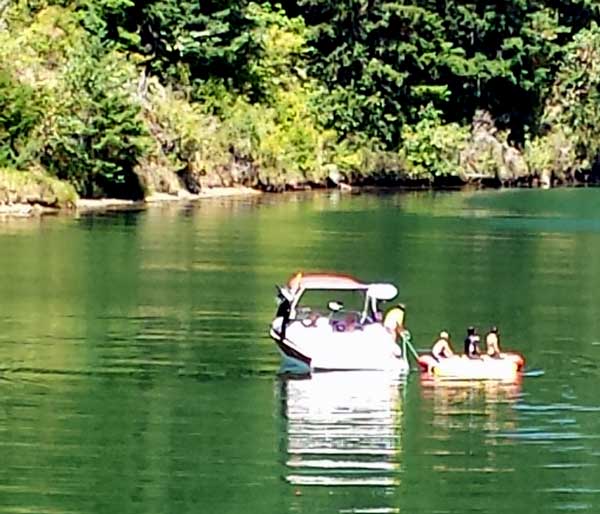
(574, 106)
(19, 114)
(185, 40)
(94, 137)
(382, 61)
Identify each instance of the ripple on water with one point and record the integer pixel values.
(573, 506)
(556, 407)
(375, 510)
(542, 436)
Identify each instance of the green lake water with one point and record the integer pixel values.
(137, 376)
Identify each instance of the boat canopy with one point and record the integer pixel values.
(299, 283)
(335, 281)
(325, 281)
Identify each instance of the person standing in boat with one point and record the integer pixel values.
(394, 319)
(441, 349)
(472, 344)
(492, 343)
(394, 322)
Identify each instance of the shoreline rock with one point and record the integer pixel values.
(25, 210)
(213, 192)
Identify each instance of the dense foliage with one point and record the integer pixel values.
(115, 95)
(96, 136)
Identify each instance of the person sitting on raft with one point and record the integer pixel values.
(441, 349)
(472, 344)
(492, 343)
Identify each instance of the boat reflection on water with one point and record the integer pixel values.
(342, 428)
(448, 394)
(469, 420)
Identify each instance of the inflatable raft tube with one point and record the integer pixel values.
(460, 367)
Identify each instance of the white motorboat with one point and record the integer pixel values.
(315, 331)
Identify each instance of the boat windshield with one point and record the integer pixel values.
(316, 301)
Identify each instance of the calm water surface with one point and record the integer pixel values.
(136, 375)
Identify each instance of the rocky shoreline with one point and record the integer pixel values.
(82, 205)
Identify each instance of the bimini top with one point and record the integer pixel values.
(336, 281)
(324, 281)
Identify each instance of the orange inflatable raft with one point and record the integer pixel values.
(459, 367)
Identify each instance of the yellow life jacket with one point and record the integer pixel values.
(394, 319)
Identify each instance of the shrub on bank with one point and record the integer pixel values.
(186, 139)
(552, 157)
(35, 187)
(573, 107)
(431, 148)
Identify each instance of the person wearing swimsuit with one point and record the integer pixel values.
(441, 349)
(492, 343)
(472, 344)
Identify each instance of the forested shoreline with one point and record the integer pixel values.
(118, 98)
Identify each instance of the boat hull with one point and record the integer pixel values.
(311, 350)
(507, 367)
